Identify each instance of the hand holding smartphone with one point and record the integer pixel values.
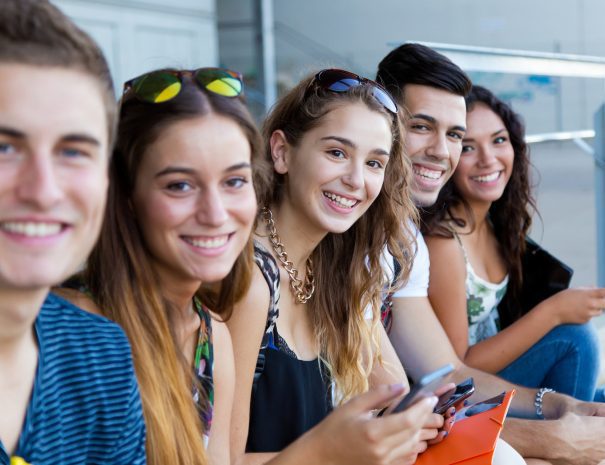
(454, 397)
(425, 387)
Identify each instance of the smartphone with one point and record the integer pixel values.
(486, 405)
(425, 387)
(457, 395)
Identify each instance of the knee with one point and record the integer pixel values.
(583, 338)
(504, 454)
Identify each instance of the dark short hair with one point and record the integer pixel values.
(419, 64)
(34, 32)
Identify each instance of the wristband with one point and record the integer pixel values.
(538, 401)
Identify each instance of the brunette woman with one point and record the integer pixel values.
(180, 211)
(476, 238)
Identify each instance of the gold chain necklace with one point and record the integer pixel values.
(302, 290)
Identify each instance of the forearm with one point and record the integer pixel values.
(488, 385)
(535, 438)
(554, 405)
(260, 458)
(497, 352)
(301, 452)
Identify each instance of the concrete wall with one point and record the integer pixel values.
(139, 35)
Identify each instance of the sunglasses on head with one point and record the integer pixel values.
(164, 85)
(339, 80)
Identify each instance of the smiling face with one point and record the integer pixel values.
(194, 200)
(487, 157)
(337, 169)
(434, 131)
(53, 173)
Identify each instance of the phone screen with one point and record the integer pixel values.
(425, 387)
(461, 392)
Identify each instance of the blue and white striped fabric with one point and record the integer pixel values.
(85, 407)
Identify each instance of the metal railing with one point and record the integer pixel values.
(577, 137)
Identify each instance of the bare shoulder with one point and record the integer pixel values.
(220, 334)
(444, 250)
(251, 311)
(441, 243)
(79, 299)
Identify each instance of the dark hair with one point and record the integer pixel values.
(125, 287)
(34, 32)
(510, 215)
(345, 264)
(419, 64)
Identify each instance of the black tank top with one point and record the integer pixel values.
(289, 396)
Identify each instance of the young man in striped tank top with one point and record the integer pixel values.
(68, 393)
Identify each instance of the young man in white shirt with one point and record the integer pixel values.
(432, 89)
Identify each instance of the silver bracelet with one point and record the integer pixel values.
(538, 401)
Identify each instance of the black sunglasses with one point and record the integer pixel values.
(339, 80)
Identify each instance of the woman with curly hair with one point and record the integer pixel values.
(476, 238)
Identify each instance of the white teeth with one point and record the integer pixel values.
(341, 201)
(31, 229)
(427, 173)
(213, 243)
(487, 177)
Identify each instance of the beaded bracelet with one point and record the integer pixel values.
(538, 401)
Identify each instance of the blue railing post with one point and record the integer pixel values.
(599, 158)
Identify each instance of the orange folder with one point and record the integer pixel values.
(472, 440)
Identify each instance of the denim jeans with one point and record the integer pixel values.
(566, 360)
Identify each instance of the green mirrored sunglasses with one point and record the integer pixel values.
(163, 85)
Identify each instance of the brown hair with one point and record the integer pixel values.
(510, 215)
(34, 32)
(347, 266)
(125, 287)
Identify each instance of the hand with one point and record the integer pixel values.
(576, 306)
(587, 409)
(351, 434)
(581, 441)
(438, 427)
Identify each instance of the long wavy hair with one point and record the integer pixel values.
(122, 281)
(510, 215)
(347, 266)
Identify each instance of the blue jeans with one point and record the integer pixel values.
(566, 360)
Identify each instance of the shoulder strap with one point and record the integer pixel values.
(461, 246)
(268, 267)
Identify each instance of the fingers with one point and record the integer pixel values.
(405, 428)
(374, 398)
(596, 313)
(415, 416)
(434, 421)
(427, 434)
(406, 452)
(452, 410)
(445, 388)
(437, 439)
(448, 424)
(445, 430)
